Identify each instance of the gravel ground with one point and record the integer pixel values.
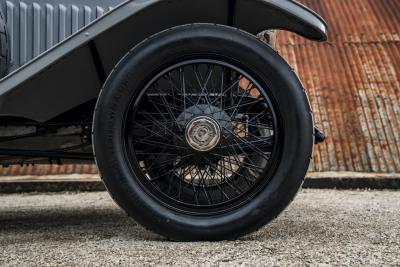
(321, 227)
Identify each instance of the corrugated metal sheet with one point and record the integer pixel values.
(353, 81)
(41, 169)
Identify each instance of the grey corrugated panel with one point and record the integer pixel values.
(36, 26)
(36, 29)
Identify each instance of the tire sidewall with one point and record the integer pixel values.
(143, 62)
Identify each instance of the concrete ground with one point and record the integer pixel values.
(321, 227)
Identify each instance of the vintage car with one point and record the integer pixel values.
(199, 128)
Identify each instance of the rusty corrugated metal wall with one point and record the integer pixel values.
(353, 81)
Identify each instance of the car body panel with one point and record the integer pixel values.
(73, 71)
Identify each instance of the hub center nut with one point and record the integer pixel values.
(203, 133)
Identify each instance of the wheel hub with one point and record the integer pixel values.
(203, 133)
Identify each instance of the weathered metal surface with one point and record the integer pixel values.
(42, 169)
(353, 82)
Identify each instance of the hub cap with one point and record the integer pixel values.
(203, 133)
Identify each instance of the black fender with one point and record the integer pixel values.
(72, 72)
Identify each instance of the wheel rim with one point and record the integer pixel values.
(202, 136)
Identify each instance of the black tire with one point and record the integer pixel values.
(4, 47)
(241, 49)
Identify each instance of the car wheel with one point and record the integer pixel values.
(203, 132)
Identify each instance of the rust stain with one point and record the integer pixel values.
(353, 81)
(43, 169)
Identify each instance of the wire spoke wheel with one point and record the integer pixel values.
(203, 132)
(203, 135)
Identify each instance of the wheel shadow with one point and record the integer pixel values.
(93, 223)
(71, 224)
